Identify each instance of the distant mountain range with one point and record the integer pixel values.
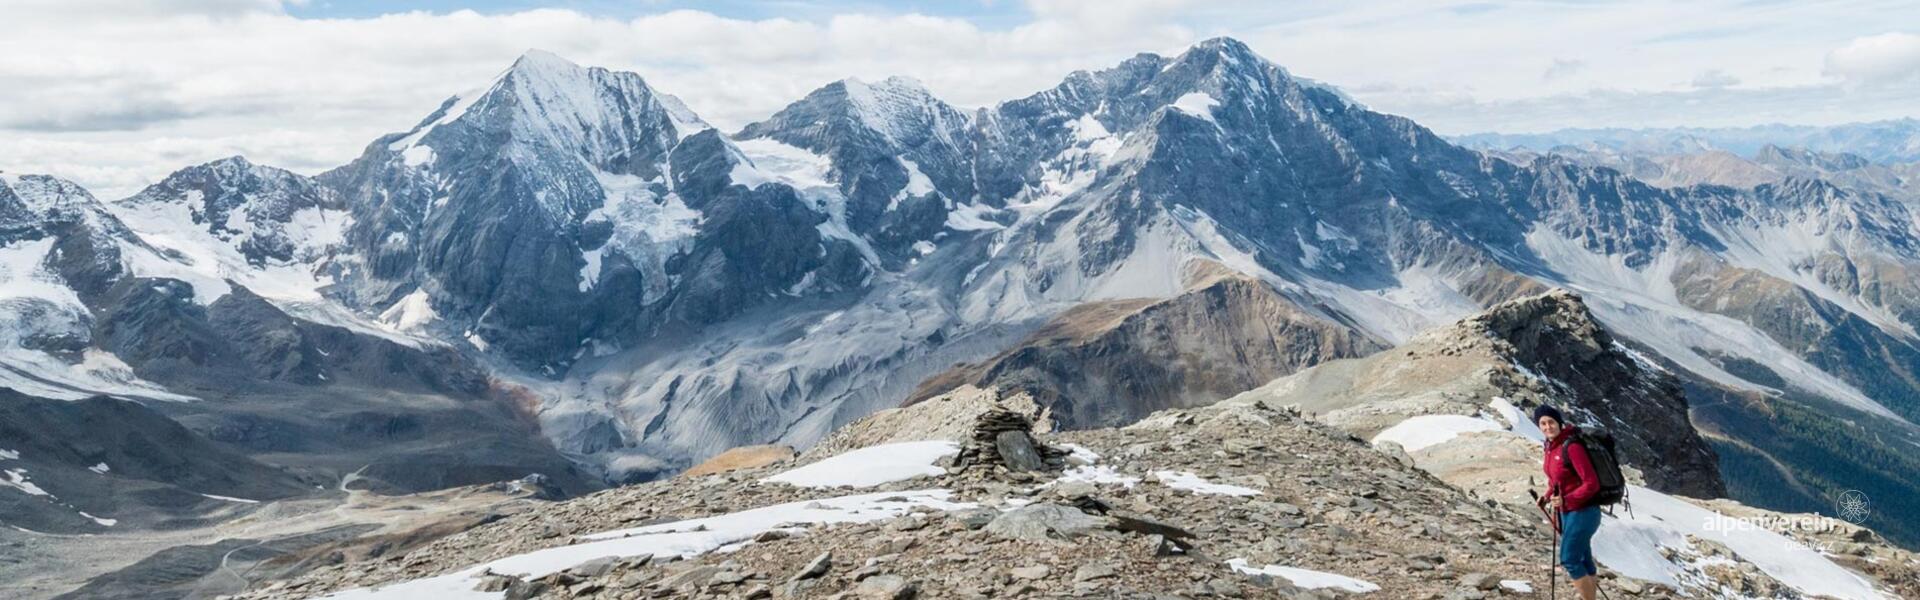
(1892, 141)
(568, 271)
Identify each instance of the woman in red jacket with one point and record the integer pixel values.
(1571, 487)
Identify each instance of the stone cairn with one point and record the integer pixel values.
(1004, 438)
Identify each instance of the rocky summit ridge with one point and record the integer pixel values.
(1248, 498)
(1539, 349)
(1145, 512)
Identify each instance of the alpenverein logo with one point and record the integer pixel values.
(1853, 506)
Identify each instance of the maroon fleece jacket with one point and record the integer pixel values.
(1575, 486)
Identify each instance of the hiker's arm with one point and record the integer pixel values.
(1589, 480)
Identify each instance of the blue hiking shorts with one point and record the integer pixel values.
(1576, 541)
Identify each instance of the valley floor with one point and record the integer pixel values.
(226, 556)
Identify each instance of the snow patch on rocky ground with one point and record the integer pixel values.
(872, 466)
(687, 538)
(1099, 475)
(17, 479)
(1182, 480)
(1424, 431)
(1517, 421)
(1081, 454)
(1630, 542)
(1307, 578)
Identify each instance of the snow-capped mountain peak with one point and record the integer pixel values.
(900, 111)
(587, 107)
(548, 100)
(1228, 62)
(265, 214)
(535, 59)
(1226, 50)
(896, 106)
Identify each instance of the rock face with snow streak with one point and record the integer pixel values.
(266, 214)
(1545, 349)
(61, 252)
(901, 157)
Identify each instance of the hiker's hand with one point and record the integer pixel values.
(1555, 501)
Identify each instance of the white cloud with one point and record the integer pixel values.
(132, 10)
(118, 93)
(1714, 78)
(1563, 67)
(1888, 58)
(239, 76)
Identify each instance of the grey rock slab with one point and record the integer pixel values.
(1030, 572)
(816, 567)
(1044, 522)
(1094, 571)
(885, 587)
(1017, 451)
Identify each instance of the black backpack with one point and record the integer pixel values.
(1606, 464)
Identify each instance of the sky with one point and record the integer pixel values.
(116, 94)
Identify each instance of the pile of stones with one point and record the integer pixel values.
(1003, 438)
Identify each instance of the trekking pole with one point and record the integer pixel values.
(1553, 578)
(1553, 575)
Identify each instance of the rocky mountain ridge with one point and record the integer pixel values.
(1545, 349)
(1248, 498)
(1228, 332)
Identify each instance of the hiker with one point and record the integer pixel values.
(1571, 486)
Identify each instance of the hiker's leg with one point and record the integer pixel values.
(1576, 545)
(1587, 586)
(1569, 557)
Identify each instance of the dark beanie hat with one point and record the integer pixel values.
(1548, 411)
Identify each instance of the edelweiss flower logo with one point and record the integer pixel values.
(1852, 505)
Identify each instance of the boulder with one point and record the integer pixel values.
(1017, 451)
(1046, 522)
